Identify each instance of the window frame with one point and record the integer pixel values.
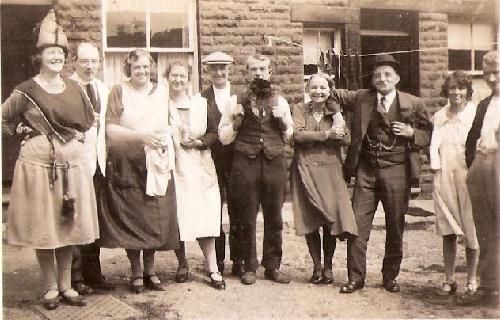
(192, 51)
(460, 20)
(191, 18)
(336, 40)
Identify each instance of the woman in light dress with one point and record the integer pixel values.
(197, 189)
(454, 220)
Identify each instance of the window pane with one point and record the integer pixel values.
(459, 60)
(310, 47)
(459, 36)
(478, 59)
(484, 36)
(169, 24)
(125, 23)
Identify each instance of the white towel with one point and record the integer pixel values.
(159, 164)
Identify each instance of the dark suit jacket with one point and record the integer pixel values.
(362, 103)
(221, 154)
(475, 130)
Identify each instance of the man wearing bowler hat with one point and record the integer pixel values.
(388, 129)
(218, 94)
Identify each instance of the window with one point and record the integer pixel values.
(467, 43)
(316, 43)
(166, 28)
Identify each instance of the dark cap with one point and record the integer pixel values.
(386, 60)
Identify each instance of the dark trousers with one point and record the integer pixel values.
(86, 265)
(259, 181)
(481, 184)
(223, 169)
(373, 184)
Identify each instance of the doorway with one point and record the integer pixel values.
(385, 31)
(18, 44)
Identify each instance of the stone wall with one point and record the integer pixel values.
(433, 33)
(81, 21)
(239, 27)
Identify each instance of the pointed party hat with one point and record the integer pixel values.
(51, 34)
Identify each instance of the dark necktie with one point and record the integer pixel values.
(93, 98)
(381, 106)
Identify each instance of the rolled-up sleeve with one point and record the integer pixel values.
(226, 132)
(287, 118)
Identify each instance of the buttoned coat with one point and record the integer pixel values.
(362, 103)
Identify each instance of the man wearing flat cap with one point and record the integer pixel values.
(388, 129)
(218, 94)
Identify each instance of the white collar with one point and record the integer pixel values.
(389, 98)
(80, 81)
(227, 87)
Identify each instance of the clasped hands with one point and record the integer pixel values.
(335, 133)
(156, 138)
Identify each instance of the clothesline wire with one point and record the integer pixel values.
(273, 38)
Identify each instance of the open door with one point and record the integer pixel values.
(18, 43)
(389, 31)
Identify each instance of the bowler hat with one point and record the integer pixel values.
(51, 34)
(217, 57)
(386, 60)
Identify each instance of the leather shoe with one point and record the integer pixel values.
(391, 285)
(82, 288)
(352, 286)
(316, 277)
(238, 269)
(137, 286)
(248, 277)
(181, 275)
(76, 301)
(276, 276)
(51, 303)
(153, 283)
(217, 284)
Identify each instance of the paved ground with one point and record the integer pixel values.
(421, 275)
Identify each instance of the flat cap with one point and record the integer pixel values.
(217, 57)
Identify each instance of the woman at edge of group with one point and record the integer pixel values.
(452, 204)
(319, 192)
(52, 206)
(133, 216)
(198, 197)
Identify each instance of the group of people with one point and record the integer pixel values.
(147, 166)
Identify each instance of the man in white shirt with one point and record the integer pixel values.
(86, 268)
(259, 125)
(218, 94)
(480, 150)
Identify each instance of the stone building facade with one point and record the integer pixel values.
(433, 35)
